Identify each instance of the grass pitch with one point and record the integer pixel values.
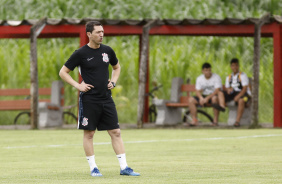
(161, 156)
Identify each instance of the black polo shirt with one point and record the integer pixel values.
(93, 66)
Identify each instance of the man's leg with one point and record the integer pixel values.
(220, 105)
(215, 111)
(89, 152)
(88, 142)
(118, 147)
(193, 110)
(117, 142)
(221, 99)
(240, 110)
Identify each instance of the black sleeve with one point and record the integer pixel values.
(113, 58)
(73, 61)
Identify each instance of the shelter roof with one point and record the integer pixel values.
(73, 21)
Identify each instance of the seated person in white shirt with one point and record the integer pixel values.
(208, 91)
(237, 86)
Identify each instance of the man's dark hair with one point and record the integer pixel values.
(206, 65)
(234, 60)
(90, 25)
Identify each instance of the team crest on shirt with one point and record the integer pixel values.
(85, 121)
(105, 57)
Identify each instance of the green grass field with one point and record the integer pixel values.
(161, 156)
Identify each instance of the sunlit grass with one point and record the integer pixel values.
(161, 156)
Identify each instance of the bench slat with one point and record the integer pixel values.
(188, 88)
(17, 104)
(14, 92)
(44, 91)
(23, 92)
(184, 99)
(177, 104)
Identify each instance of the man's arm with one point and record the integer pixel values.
(200, 96)
(217, 86)
(211, 95)
(245, 84)
(229, 89)
(64, 74)
(115, 75)
(199, 91)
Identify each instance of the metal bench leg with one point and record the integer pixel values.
(72, 116)
(17, 117)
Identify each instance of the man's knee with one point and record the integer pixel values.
(241, 104)
(241, 101)
(214, 99)
(192, 100)
(88, 134)
(115, 133)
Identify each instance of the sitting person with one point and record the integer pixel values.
(208, 86)
(237, 89)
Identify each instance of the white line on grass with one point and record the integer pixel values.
(147, 141)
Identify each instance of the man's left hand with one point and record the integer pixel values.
(206, 100)
(110, 85)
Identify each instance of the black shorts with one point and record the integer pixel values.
(198, 100)
(101, 116)
(230, 97)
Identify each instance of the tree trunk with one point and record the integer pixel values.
(255, 85)
(34, 32)
(142, 71)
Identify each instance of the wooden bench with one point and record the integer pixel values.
(54, 103)
(187, 89)
(170, 111)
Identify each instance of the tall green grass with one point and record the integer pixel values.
(183, 58)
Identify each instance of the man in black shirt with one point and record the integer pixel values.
(96, 106)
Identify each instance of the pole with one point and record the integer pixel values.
(255, 88)
(35, 30)
(143, 71)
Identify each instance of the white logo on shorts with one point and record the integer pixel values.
(85, 121)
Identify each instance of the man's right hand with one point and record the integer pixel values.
(83, 87)
(202, 101)
(229, 90)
